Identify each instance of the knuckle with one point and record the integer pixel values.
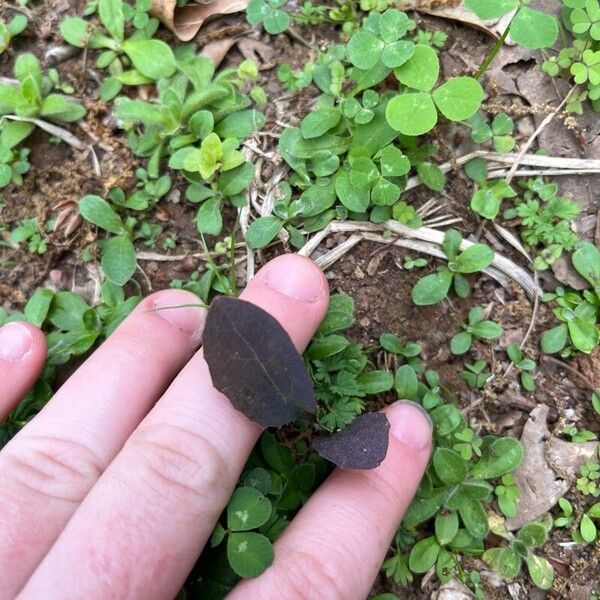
(305, 577)
(55, 468)
(182, 466)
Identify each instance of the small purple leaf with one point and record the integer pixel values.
(253, 362)
(361, 445)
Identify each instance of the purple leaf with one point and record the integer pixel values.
(253, 362)
(361, 445)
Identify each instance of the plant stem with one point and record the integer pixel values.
(494, 51)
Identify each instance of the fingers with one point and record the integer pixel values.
(139, 532)
(22, 356)
(335, 546)
(49, 467)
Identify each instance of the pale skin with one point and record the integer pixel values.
(114, 488)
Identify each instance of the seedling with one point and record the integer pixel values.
(137, 60)
(469, 443)
(587, 482)
(270, 14)
(73, 327)
(477, 328)
(499, 132)
(546, 221)
(566, 517)
(29, 232)
(434, 288)
(587, 531)
(414, 263)
(475, 374)
(13, 165)
(487, 200)
(579, 436)
(507, 494)
(11, 29)
(507, 560)
(525, 366)
(578, 313)
(31, 99)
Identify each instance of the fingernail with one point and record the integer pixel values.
(410, 424)
(188, 319)
(295, 277)
(15, 342)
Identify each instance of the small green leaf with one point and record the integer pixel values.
(533, 29)
(75, 31)
(555, 339)
(423, 555)
(474, 517)
(406, 382)
(412, 113)
(533, 535)
(431, 175)
(98, 211)
(488, 330)
(247, 509)
(249, 553)
(502, 455)
(375, 382)
(276, 21)
(364, 49)
(421, 72)
(485, 203)
(319, 122)
(112, 17)
(263, 231)
(433, 288)
(353, 197)
(152, 58)
(475, 258)
(459, 98)
(491, 9)
(586, 259)
(208, 219)
(450, 466)
(446, 527)
(37, 307)
(460, 343)
(540, 571)
(503, 560)
(118, 259)
(393, 162)
(340, 314)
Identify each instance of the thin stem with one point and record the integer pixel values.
(494, 51)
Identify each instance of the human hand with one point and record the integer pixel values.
(115, 487)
